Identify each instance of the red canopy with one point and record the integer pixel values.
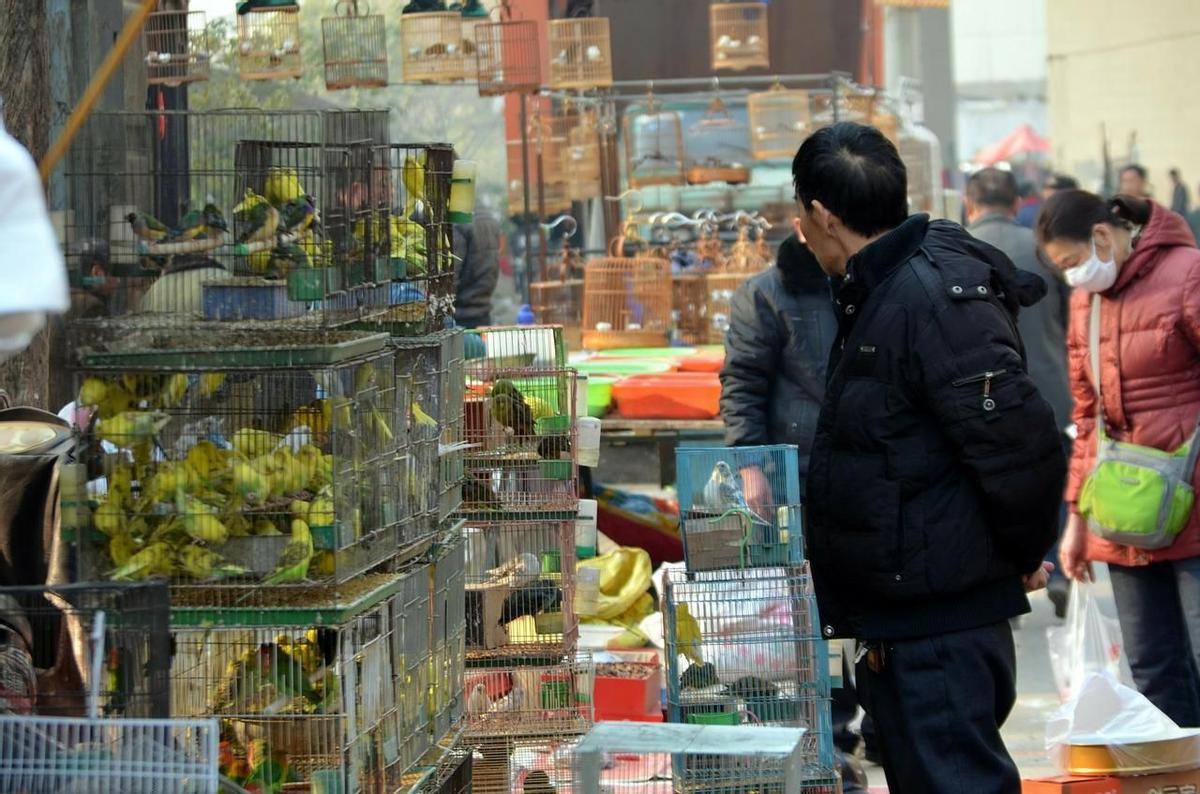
(1022, 140)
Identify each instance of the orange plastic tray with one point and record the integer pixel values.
(671, 395)
(705, 362)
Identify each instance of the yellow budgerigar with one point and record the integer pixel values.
(282, 185)
(156, 559)
(687, 634)
(252, 442)
(201, 522)
(133, 427)
(109, 517)
(200, 563)
(295, 557)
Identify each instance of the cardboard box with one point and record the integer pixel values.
(1167, 783)
(1071, 784)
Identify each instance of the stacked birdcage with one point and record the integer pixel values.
(580, 53)
(714, 759)
(744, 259)
(545, 147)
(508, 55)
(447, 635)
(176, 45)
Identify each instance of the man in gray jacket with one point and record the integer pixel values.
(476, 247)
(991, 204)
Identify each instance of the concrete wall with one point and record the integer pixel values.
(1134, 68)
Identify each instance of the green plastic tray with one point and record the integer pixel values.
(621, 367)
(178, 349)
(643, 353)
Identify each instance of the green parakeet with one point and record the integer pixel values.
(510, 410)
(298, 214)
(147, 227)
(295, 557)
(285, 673)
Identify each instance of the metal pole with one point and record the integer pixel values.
(525, 184)
(541, 185)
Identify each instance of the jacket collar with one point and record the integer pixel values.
(1001, 218)
(871, 266)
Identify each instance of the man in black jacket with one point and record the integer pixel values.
(936, 471)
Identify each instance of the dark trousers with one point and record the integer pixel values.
(1159, 609)
(938, 703)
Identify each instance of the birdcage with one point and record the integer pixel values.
(558, 300)
(654, 147)
(268, 43)
(580, 53)
(452, 387)
(520, 437)
(545, 148)
(738, 32)
(176, 45)
(448, 635)
(581, 155)
(416, 235)
(325, 691)
(447, 773)
(689, 308)
(780, 119)
(508, 55)
(432, 42)
(237, 216)
(101, 645)
(355, 47)
(739, 506)
(238, 461)
(753, 655)
(421, 369)
(538, 696)
(715, 759)
(510, 347)
(138, 756)
(520, 588)
(626, 301)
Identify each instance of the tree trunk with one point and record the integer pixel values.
(25, 91)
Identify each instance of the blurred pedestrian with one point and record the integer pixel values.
(1133, 181)
(1057, 182)
(476, 269)
(935, 474)
(991, 201)
(1179, 193)
(1028, 204)
(1136, 264)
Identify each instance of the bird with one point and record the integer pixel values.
(201, 564)
(540, 596)
(285, 673)
(298, 214)
(510, 410)
(478, 701)
(553, 447)
(699, 676)
(154, 560)
(284, 259)
(267, 770)
(132, 427)
(413, 176)
(213, 219)
(537, 782)
(722, 491)
(282, 184)
(515, 699)
(477, 495)
(200, 521)
(147, 227)
(295, 557)
(687, 634)
(426, 425)
(256, 216)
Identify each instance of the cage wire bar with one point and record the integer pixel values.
(229, 215)
(325, 691)
(231, 478)
(268, 43)
(176, 44)
(354, 44)
(754, 656)
(138, 756)
(540, 697)
(448, 635)
(722, 527)
(50, 642)
(520, 589)
(640, 757)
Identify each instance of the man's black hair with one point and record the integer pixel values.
(991, 187)
(856, 173)
(1061, 182)
(1137, 169)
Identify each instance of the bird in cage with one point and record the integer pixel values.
(478, 701)
(268, 768)
(202, 564)
(157, 559)
(256, 217)
(298, 214)
(146, 227)
(536, 781)
(282, 185)
(202, 223)
(293, 562)
(687, 634)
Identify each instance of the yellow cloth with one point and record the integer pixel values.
(624, 582)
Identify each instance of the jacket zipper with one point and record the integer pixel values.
(982, 377)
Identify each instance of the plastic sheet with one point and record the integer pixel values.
(1089, 642)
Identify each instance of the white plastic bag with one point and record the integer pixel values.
(1089, 642)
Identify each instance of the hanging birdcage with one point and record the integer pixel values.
(355, 46)
(581, 156)
(730, 271)
(780, 119)
(689, 308)
(507, 55)
(580, 53)
(738, 32)
(176, 47)
(559, 300)
(654, 147)
(546, 141)
(268, 43)
(433, 47)
(716, 141)
(626, 299)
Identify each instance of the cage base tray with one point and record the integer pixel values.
(286, 606)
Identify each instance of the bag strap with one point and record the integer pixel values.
(1094, 356)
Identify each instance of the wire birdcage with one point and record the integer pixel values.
(780, 119)
(559, 300)
(508, 55)
(318, 690)
(51, 633)
(580, 53)
(447, 708)
(520, 445)
(689, 308)
(666, 758)
(512, 347)
(139, 756)
(451, 451)
(626, 301)
(176, 45)
(543, 696)
(520, 588)
(739, 35)
(237, 216)
(354, 44)
(432, 44)
(225, 469)
(422, 367)
(754, 655)
(739, 507)
(654, 153)
(268, 43)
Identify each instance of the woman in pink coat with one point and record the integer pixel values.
(1142, 260)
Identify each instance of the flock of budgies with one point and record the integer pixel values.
(168, 509)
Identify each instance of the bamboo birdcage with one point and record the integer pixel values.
(580, 53)
(546, 137)
(626, 299)
(355, 47)
(743, 260)
(507, 55)
(715, 141)
(654, 147)
(780, 119)
(689, 308)
(433, 47)
(176, 47)
(738, 32)
(581, 156)
(559, 300)
(268, 43)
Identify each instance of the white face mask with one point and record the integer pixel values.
(1094, 275)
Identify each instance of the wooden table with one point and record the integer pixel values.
(665, 435)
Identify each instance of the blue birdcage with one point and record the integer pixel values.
(739, 507)
(751, 655)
